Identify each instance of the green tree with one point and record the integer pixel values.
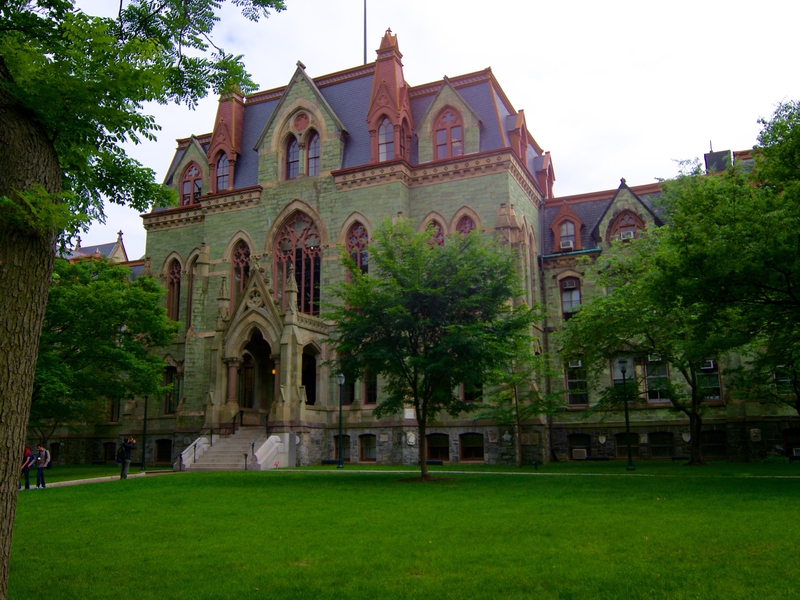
(638, 317)
(428, 319)
(738, 240)
(72, 90)
(99, 330)
(516, 395)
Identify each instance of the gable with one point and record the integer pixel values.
(447, 96)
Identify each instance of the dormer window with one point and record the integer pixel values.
(191, 185)
(222, 173)
(313, 155)
(385, 140)
(449, 135)
(567, 235)
(292, 158)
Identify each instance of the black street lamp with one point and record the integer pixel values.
(144, 434)
(623, 363)
(340, 379)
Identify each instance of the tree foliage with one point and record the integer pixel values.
(84, 80)
(98, 334)
(516, 394)
(428, 319)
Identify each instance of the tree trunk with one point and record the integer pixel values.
(696, 428)
(517, 428)
(423, 449)
(27, 158)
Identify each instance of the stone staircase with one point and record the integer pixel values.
(227, 453)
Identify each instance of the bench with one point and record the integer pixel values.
(435, 463)
(328, 461)
(597, 458)
(677, 458)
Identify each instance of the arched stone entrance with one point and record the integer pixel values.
(256, 377)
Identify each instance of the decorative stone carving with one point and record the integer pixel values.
(254, 300)
(411, 438)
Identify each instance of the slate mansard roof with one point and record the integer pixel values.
(349, 94)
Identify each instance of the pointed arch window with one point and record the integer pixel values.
(403, 133)
(437, 233)
(292, 158)
(385, 140)
(449, 134)
(174, 290)
(298, 244)
(223, 168)
(627, 227)
(465, 225)
(357, 242)
(191, 185)
(240, 271)
(313, 154)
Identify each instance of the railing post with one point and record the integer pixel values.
(245, 461)
(195, 452)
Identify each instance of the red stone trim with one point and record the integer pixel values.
(183, 143)
(195, 213)
(639, 190)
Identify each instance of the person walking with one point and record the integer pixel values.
(41, 461)
(127, 446)
(27, 461)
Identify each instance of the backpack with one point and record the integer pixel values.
(120, 454)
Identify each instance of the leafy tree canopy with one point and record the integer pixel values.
(428, 319)
(97, 342)
(84, 79)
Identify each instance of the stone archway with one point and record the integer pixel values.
(256, 377)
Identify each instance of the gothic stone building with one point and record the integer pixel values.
(287, 178)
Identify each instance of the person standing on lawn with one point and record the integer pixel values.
(27, 461)
(41, 461)
(127, 446)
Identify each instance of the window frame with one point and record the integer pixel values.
(174, 289)
(223, 173)
(462, 446)
(648, 377)
(292, 163)
(313, 154)
(621, 448)
(240, 270)
(615, 231)
(438, 451)
(308, 273)
(194, 183)
(357, 246)
(581, 378)
(447, 146)
(362, 447)
(567, 314)
(385, 140)
(707, 374)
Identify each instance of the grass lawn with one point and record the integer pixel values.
(665, 531)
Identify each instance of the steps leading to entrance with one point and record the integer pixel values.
(227, 453)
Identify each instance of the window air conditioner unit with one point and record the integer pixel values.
(653, 358)
(708, 365)
(567, 244)
(575, 364)
(570, 284)
(626, 235)
(579, 454)
(796, 451)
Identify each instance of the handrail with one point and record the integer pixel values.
(253, 443)
(210, 430)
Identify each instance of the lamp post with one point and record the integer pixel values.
(623, 363)
(144, 434)
(340, 379)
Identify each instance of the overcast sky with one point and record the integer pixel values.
(611, 89)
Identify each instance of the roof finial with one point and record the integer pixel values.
(301, 65)
(622, 181)
(119, 235)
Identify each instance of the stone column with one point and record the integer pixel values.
(233, 367)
